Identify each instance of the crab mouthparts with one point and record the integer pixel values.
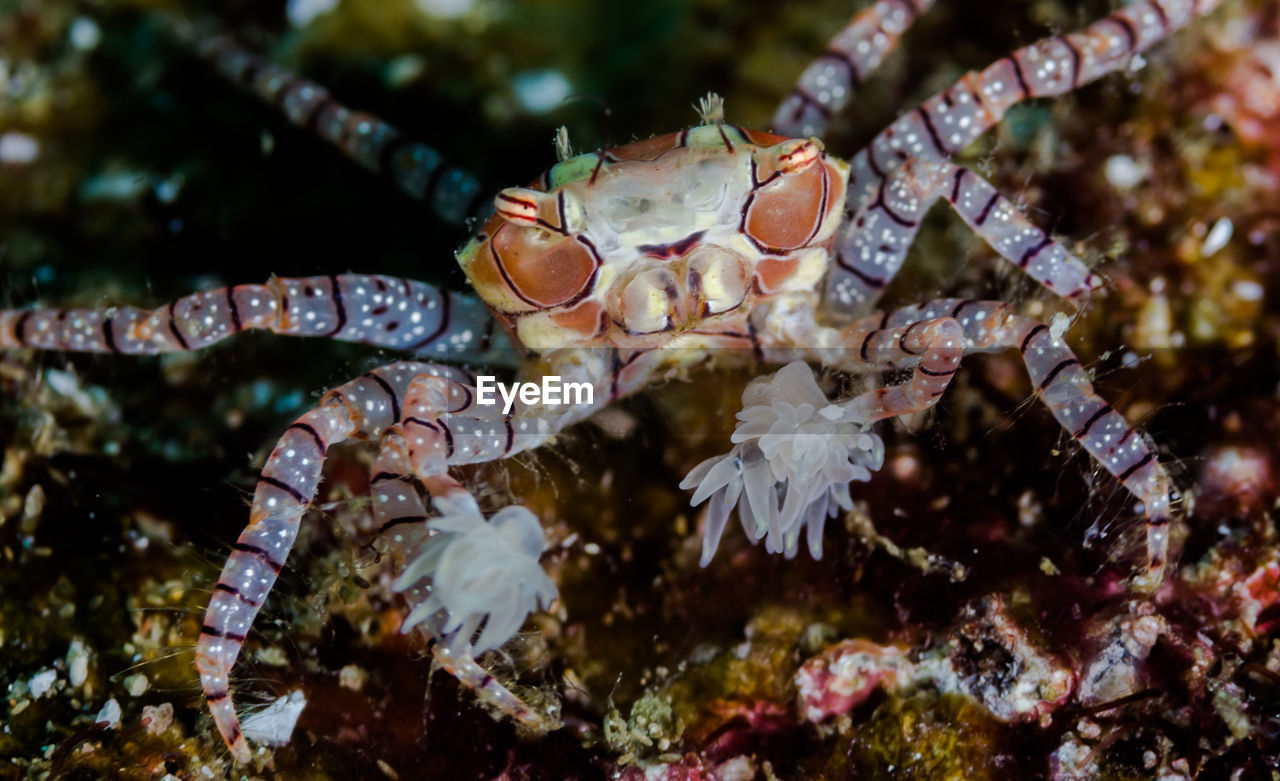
(674, 249)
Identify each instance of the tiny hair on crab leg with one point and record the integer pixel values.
(873, 244)
(391, 312)
(360, 408)
(1060, 382)
(949, 121)
(454, 194)
(828, 83)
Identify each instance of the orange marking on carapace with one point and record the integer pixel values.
(543, 269)
(785, 213)
(772, 273)
(648, 149)
(587, 318)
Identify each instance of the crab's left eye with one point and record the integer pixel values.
(543, 269)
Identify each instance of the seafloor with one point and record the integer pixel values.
(972, 619)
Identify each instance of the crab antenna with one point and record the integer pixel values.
(711, 109)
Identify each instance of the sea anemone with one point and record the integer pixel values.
(480, 573)
(794, 455)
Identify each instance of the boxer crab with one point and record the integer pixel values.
(617, 268)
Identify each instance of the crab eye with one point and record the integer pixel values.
(789, 211)
(543, 268)
(560, 211)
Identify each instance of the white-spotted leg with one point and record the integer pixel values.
(916, 337)
(951, 120)
(400, 314)
(402, 521)
(470, 581)
(454, 194)
(360, 409)
(873, 243)
(828, 84)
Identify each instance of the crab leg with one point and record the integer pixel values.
(874, 242)
(428, 418)
(443, 424)
(427, 440)
(417, 169)
(949, 121)
(359, 409)
(914, 337)
(395, 313)
(827, 85)
(946, 123)
(401, 517)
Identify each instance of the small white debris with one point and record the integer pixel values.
(405, 69)
(302, 12)
(18, 148)
(1247, 290)
(84, 34)
(32, 510)
(110, 714)
(739, 768)
(1123, 173)
(42, 682)
(1218, 237)
(445, 9)
(158, 717)
(352, 677)
(67, 384)
(1058, 325)
(388, 770)
(77, 662)
(136, 685)
(539, 91)
(273, 655)
(274, 724)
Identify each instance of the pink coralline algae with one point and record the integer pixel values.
(988, 655)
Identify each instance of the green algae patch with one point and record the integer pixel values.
(945, 739)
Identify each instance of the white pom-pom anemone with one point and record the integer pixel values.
(478, 572)
(794, 455)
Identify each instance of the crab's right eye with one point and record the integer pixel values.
(534, 258)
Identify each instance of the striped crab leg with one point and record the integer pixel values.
(915, 336)
(443, 425)
(402, 517)
(827, 85)
(399, 314)
(454, 194)
(951, 120)
(361, 408)
(873, 243)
